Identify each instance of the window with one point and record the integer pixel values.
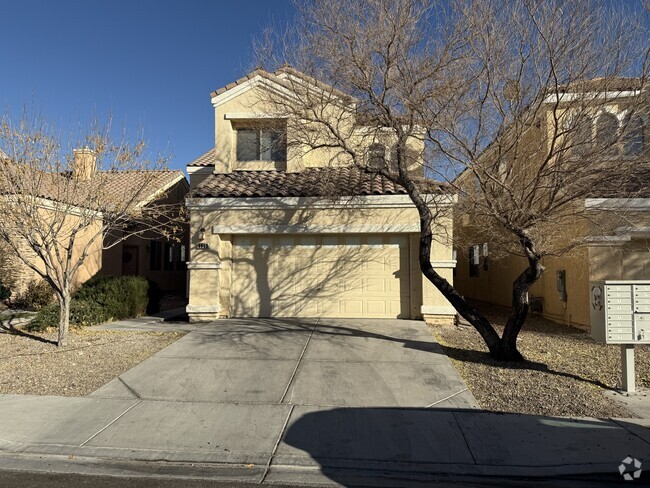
(183, 256)
(474, 259)
(633, 135)
(581, 138)
(261, 144)
(607, 134)
(376, 157)
(180, 257)
(169, 257)
(485, 256)
(155, 256)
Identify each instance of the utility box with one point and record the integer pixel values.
(620, 311)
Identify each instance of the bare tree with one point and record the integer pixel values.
(497, 92)
(65, 199)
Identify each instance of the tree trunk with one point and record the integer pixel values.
(64, 320)
(467, 311)
(519, 309)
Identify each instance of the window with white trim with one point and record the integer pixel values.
(261, 143)
(633, 137)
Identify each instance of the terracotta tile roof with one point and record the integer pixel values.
(129, 182)
(311, 182)
(116, 186)
(279, 77)
(207, 159)
(244, 79)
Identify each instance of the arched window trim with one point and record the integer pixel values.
(625, 138)
(610, 148)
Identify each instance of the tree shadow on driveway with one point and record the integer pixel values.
(242, 330)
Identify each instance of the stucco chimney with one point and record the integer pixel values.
(85, 164)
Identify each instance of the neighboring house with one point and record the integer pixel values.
(269, 240)
(160, 260)
(619, 251)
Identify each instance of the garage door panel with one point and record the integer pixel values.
(376, 307)
(312, 275)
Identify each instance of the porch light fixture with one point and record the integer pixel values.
(201, 233)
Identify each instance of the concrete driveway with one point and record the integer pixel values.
(303, 401)
(324, 363)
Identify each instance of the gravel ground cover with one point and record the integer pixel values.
(30, 365)
(565, 373)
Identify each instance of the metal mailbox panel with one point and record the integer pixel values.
(627, 308)
(620, 301)
(620, 311)
(618, 287)
(621, 330)
(617, 317)
(619, 294)
(620, 337)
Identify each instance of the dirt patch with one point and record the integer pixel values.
(33, 366)
(565, 372)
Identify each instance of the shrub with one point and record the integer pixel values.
(5, 292)
(82, 313)
(37, 295)
(7, 272)
(120, 297)
(100, 300)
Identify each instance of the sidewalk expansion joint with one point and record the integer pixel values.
(109, 424)
(447, 398)
(277, 445)
(460, 428)
(135, 393)
(295, 370)
(615, 421)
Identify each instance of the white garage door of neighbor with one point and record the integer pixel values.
(320, 276)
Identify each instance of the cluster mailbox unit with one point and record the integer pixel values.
(620, 314)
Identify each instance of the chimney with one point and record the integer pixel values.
(84, 166)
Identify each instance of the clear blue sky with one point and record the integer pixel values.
(149, 63)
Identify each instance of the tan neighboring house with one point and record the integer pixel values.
(622, 252)
(268, 240)
(162, 261)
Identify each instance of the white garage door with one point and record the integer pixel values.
(320, 276)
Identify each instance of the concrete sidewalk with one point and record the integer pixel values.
(155, 322)
(284, 443)
(299, 401)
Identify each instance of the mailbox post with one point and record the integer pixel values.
(620, 314)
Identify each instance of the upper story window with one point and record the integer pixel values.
(633, 135)
(607, 134)
(581, 138)
(265, 143)
(376, 156)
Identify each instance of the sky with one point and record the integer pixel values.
(148, 64)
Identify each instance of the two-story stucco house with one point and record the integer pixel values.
(267, 238)
(614, 237)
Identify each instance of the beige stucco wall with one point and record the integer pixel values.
(210, 287)
(303, 138)
(91, 265)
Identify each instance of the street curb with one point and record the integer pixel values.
(106, 461)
